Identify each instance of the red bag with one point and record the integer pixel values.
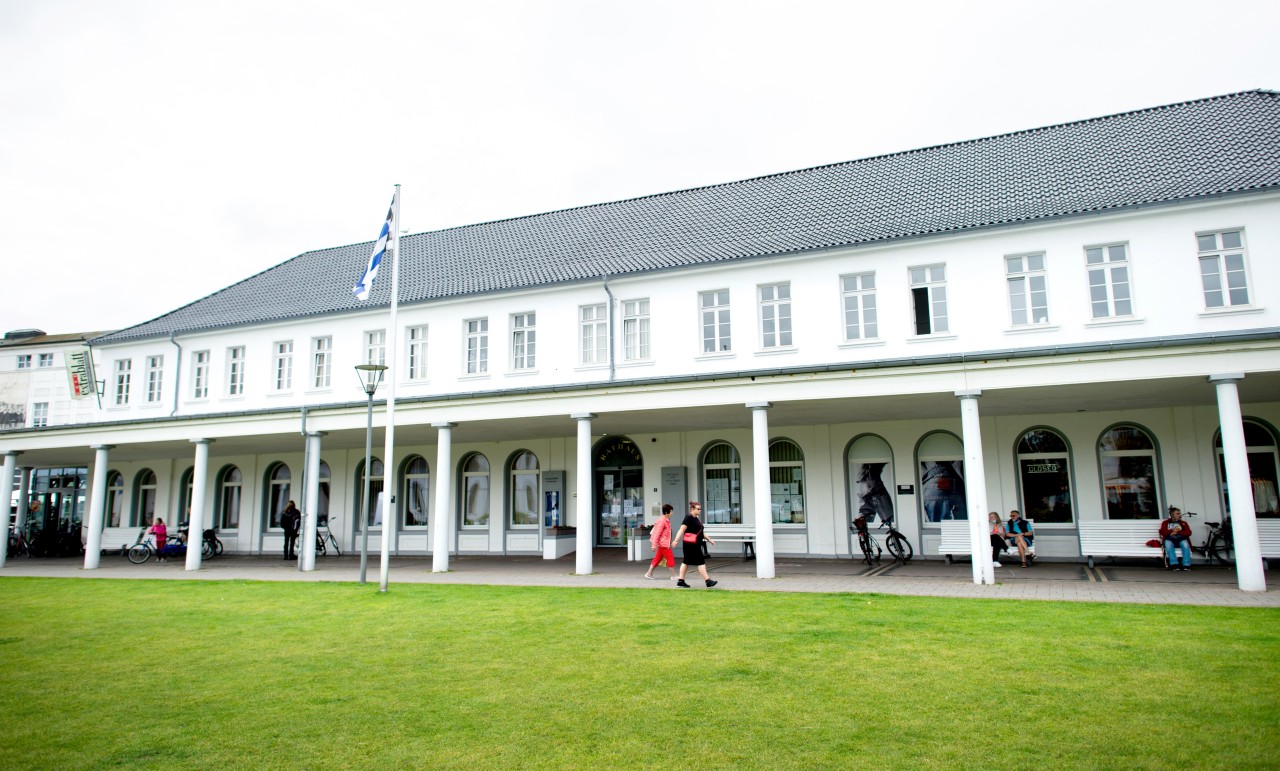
(1154, 543)
(690, 537)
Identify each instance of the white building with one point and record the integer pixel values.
(1053, 320)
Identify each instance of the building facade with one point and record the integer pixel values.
(1055, 320)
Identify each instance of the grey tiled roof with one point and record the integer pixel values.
(1207, 147)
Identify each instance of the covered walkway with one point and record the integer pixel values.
(1135, 581)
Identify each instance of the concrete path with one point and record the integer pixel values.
(1133, 582)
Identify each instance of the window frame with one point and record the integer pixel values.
(636, 337)
(39, 414)
(733, 511)
(235, 370)
(593, 335)
(227, 512)
(1223, 272)
(1066, 455)
(524, 341)
(924, 283)
(200, 375)
(773, 305)
(715, 321)
(514, 472)
(282, 366)
(475, 346)
(464, 510)
(322, 362)
(1157, 476)
(375, 346)
(1026, 294)
(44, 361)
(23, 361)
(867, 330)
(409, 480)
(145, 489)
(123, 376)
(777, 498)
(113, 514)
(416, 352)
(155, 379)
(1105, 268)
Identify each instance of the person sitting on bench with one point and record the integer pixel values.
(1176, 535)
(1023, 536)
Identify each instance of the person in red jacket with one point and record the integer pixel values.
(660, 539)
(1176, 535)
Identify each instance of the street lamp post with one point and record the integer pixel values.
(370, 376)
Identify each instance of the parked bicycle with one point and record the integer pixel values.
(18, 546)
(326, 541)
(894, 541)
(1219, 544)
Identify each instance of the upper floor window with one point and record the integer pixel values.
(859, 294)
(417, 342)
(375, 347)
(235, 371)
(593, 332)
(929, 298)
(321, 361)
(1108, 267)
(124, 373)
(24, 361)
(477, 346)
(1028, 290)
(45, 360)
(775, 315)
(524, 341)
(39, 414)
(1222, 269)
(282, 367)
(714, 309)
(200, 375)
(155, 378)
(635, 329)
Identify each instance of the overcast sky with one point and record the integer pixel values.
(153, 152)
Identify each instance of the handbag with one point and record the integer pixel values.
(690, 537)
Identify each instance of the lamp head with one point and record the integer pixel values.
(370, 376)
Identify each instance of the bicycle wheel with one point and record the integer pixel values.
(206, 550)
(139, 553)
(899, 547)
(217, 546)
(1223, 551)
(319, 547)
(333, 542)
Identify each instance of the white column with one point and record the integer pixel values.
(975, 486)
(586, 517)
(97, 506)
(199, 492)
(442, 513)
(763, 490)
(24, 496)
(6, 485)
(1244, 518)
(311, 517)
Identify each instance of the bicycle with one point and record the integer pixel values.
(18, 546)
(142, 551)
(1218, 542)
(870, 549)
(897, 543)
(326, 541)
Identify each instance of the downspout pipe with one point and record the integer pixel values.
(613, 372)
(177, 373)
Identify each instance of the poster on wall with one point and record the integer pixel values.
(873, 498)
(942, 490)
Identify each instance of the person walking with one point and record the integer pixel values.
(659, 540)
(692, 534)
(291, 521)
(162, 534)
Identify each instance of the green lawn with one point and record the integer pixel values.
(163, 674)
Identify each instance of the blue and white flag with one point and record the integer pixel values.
(365, 283)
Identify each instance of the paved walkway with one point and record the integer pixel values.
(1121, 582)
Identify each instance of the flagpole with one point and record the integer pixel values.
(389, 475)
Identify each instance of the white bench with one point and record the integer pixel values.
(745, 534)
(955, 539)
(115, 540)
(1120, 538)
(1269, 537)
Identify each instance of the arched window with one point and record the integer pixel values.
(475, 491)
(144, 498)
(417, 492)
(871, 479)
(1127, 457)
(721, 484)
(1260, 447)
(1044, 475)
(786, 482)
(115, 499)
(186, 487)
(279, 484)
(375, 489)
(940, 459)
(230, 484)
(524, 490)
(322, 514)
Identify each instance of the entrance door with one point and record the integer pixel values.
(619, 504)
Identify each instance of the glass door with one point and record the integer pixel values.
(619, 504)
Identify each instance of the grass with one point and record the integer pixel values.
(202, 674)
